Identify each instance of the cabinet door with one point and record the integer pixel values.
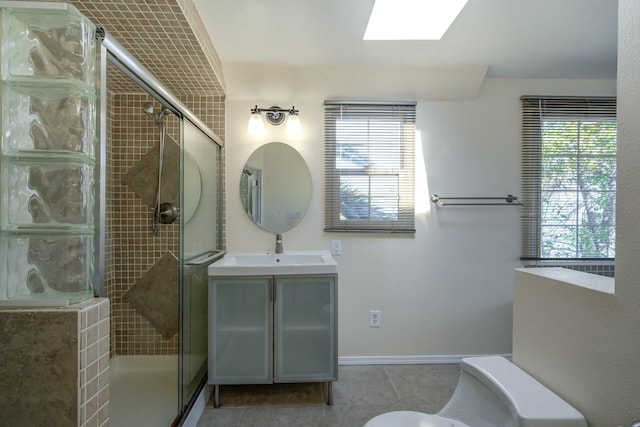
(305, 337)
(240, 327)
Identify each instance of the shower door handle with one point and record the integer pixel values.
(205, 258)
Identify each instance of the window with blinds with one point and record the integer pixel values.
(369, 167)
(568, 178)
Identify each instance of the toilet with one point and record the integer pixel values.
(492, 392)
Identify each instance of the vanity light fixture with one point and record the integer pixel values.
(294, 127)
(256, 125)
(275, 116)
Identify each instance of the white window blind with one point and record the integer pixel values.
(568, 178)
(369, 167)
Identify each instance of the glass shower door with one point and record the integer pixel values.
(200, 243)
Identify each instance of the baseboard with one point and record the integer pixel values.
(408, 360)
(198, 407)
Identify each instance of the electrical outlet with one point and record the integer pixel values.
(336, 247)
(374, 318)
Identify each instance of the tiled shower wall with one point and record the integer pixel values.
(136, 249)
(169, 39)
(132, 249)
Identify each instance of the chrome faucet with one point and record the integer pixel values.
(278, 243)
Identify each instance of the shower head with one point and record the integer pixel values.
(157, 117)
(150, 111)
(148, 108)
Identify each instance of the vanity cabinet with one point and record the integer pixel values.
(241, 331)
(271, 329)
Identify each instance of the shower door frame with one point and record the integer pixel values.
(195, 257)
(112, 52)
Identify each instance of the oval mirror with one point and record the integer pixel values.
(193, 184)
(275, 187)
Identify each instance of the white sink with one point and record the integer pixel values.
(270, 264)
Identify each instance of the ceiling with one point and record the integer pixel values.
(514, 38)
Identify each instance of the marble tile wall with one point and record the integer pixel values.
(54, 365)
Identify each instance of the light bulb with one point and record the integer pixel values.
(294, 127)
(256, 124)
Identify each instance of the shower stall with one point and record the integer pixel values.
(126, 204)
(163, 228)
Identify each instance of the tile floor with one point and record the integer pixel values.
(360, 393)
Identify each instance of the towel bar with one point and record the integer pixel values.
(509, 200)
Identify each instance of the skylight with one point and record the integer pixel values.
(412, 19)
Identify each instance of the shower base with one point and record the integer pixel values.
(144, 391)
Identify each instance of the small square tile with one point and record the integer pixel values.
(91, 388)
(92, 354)
(104, 309)
(103, 380)
(93, 315)
(105, 327)
(91, 371)
(92, 334)
(83, 319)
(92, 406)
(104, 396)
(103, 415)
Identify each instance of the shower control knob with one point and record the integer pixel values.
(167, 214)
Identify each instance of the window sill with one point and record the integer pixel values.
(563, 262)
(594, 282)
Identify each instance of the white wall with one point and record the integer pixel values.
(448, 289)
(585, 345)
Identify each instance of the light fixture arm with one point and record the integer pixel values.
(275, 115)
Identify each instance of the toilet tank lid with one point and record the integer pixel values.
(530, 402)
